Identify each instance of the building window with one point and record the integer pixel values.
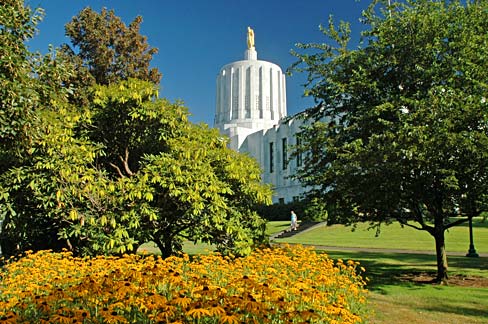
(284, 146)
(248, 107)
(235, 95)
(247, 97)
(259, 107)
(271, 157)
(299, 155)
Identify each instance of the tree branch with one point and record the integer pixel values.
(459, 221)
(125, 162)
(118, 170)
(420, 228)
(418, 214)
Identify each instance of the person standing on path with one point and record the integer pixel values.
(294, 221)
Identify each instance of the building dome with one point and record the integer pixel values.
(251, 96)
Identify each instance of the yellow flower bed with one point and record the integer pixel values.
(291, 284)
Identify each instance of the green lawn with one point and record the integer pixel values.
(188, 248)
(391, 237)
(276, 226)
(393, 294)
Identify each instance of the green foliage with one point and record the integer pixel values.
(156, 177)
(53, 174)
(105, 170)
(103, 51)
(110, 50)
(400, 129)
(17, 100)
(281, 212)
(177, 180)
(316, 211)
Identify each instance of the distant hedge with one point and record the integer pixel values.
(306, 210)
(281, 212)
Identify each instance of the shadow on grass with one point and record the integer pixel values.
(283, 225)
(478, 222)
(395, 269)
(440, 307)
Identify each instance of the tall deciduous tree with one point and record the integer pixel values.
(36, 136)
(400, 128)
(18, 101)
(109, 49)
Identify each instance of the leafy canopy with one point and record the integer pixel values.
(400, 127)
(182, 177)
(109, 49)
(118, 168)
(18, 100)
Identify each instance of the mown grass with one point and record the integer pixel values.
(188, 247)
(391, 236)
(202, 248)
(395, 295)
(430, 305)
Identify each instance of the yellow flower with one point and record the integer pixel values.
(9, 317)
(113, 317)
(230, 319)
(198, 312)
(181, 301)
(216, 310)
(270, 285)
(60, 318)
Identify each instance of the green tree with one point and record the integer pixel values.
(399, 131)
(151, 176)
(177, 180)
(40, 154)
(110, 50)
(121, 169)
(17, 99)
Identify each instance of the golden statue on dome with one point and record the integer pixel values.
(250, 38)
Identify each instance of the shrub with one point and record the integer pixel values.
(272, 285)
(281, 212)
(307, 210)
(316, 211)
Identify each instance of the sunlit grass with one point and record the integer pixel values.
(392, 236)
(276, 226)
(188, 248)
(392, 295)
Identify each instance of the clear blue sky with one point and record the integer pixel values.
(196, 38)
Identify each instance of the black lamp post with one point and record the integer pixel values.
(472, 251)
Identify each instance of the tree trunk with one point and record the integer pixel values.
(165, 246)
(440, 249)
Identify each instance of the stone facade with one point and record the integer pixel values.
(250, 110)
(251, 95)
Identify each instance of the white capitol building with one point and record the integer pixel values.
(250, 107)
